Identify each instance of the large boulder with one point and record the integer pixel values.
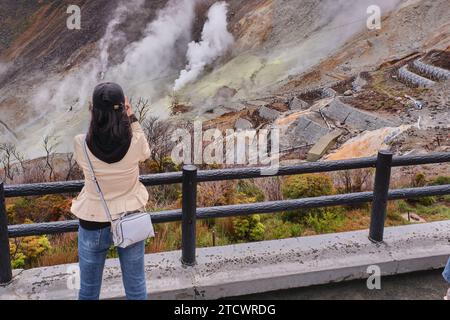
(268, 113)
(298, 104)
(355, 118)
(243, 124)
(306, 130)
(323, 145)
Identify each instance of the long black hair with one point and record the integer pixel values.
(109, 135)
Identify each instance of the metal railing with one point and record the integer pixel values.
(189, 178)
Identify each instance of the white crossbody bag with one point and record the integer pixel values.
(130, 227)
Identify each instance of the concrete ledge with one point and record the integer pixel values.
(257, 267)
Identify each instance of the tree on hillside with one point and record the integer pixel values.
(358, 180)
(159, 134)
(21, 159)
(141, 109)
(7, 155)
(49, 146)
(70, 165)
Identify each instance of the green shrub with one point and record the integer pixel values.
(424, 201)
(18, 260)
(326, 222)
(419, 180)
(248, 228)
(394, 216)
(39, 209)
(10, 213)
(305, 186)
(440, 181)
(112, 252)
(164, 195)
(279, 229)
(403, 206)
(163, 165)
(250, 191)
(24, 251)
(205, 236)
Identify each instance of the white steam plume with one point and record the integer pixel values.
(151, 57)
(75, 89)
(155, 55)
(216, 39)
(112, 34)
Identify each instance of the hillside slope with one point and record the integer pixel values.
(47, 72)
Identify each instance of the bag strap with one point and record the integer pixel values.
(94, 178)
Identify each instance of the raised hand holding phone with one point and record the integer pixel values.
(128, 107)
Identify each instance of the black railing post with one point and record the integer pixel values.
(189, 212)
(380, 195)
(5, 261)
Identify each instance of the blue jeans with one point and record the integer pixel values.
(93, 246)
(446, 273)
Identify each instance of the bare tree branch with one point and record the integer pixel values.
(49, 147)
(8, 150)
(141, 109)
(70, 165)
(159, 134)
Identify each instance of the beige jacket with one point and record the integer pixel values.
(119, 181)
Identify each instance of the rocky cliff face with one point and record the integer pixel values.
(34, 36)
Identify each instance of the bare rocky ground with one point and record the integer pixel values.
(369, 101)
(356, 87)
(359, 89)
